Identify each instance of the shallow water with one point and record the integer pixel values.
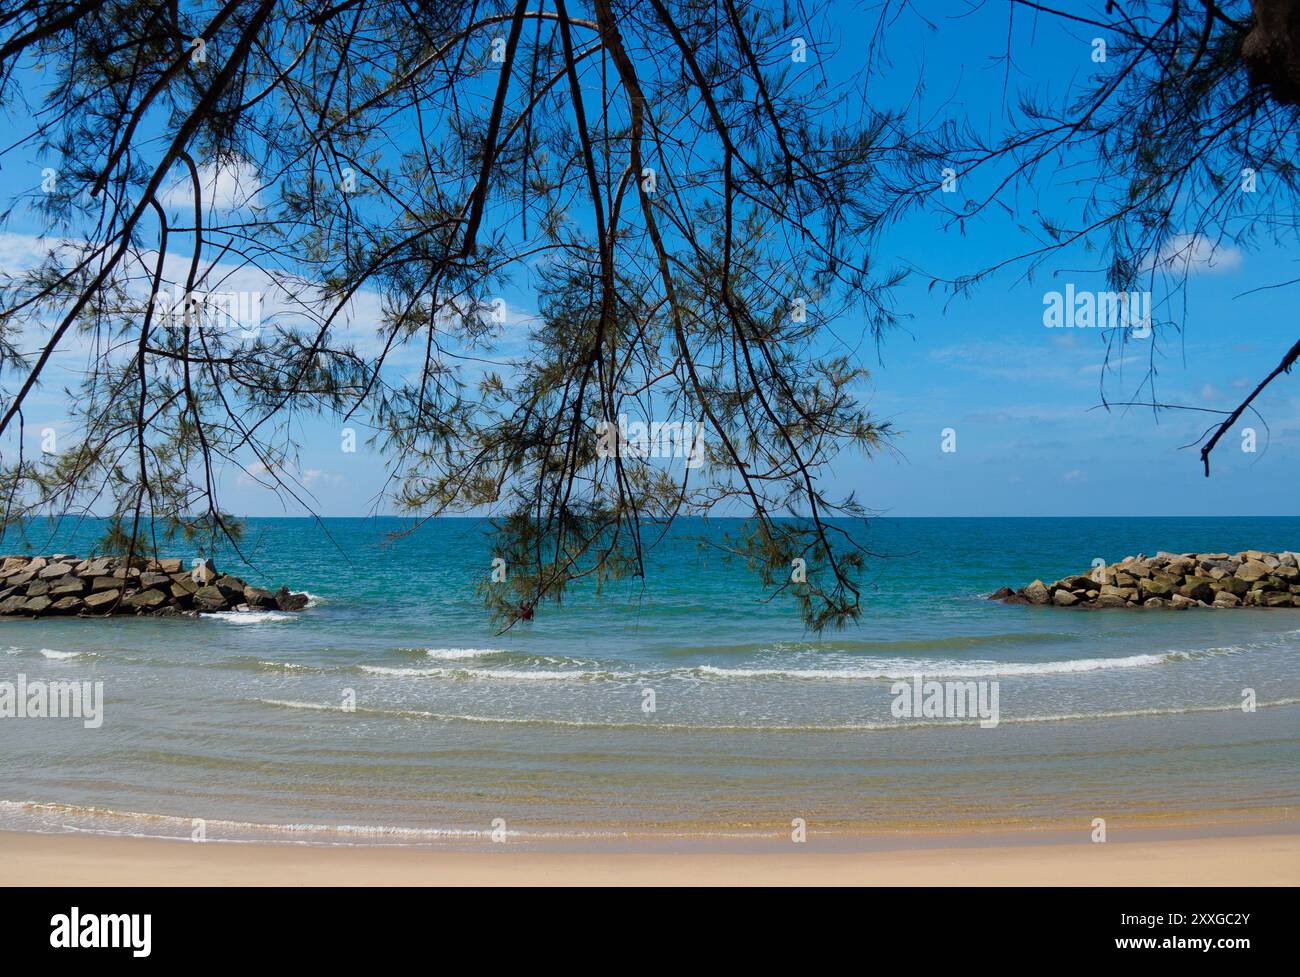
(246, 721)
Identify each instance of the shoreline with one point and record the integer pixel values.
(1226, 855)
(845, 836)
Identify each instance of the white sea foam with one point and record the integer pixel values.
(539, 675)
(937, 669)
(59, 655)
(886, 670)
(508, 674)
(295, 704)
(60, 814)
(881, 726)
(251, 617)
(455, 654)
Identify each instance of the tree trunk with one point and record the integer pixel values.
(1271, 50)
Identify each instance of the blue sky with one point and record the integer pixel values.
(1023, 400)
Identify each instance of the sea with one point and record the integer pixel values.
(690, 704)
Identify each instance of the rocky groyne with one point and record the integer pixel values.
(46, 586)
(1251, 578)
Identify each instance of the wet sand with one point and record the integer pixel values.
(88, 860)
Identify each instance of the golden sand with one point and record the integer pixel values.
(82, 860)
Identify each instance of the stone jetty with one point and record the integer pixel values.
(46, 586)
(1251, 578)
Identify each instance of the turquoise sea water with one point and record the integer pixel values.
(243, 720)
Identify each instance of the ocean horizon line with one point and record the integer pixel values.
(782, 518)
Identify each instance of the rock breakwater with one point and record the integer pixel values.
(48, 586)
(1251, 578)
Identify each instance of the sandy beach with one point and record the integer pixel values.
(31, 859)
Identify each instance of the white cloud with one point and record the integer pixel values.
(259, 474)
(23, 252)
(313, 475)
(1196, 254)
(1115, 364)
(228, 185)
(254, 474)
(281, 298)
